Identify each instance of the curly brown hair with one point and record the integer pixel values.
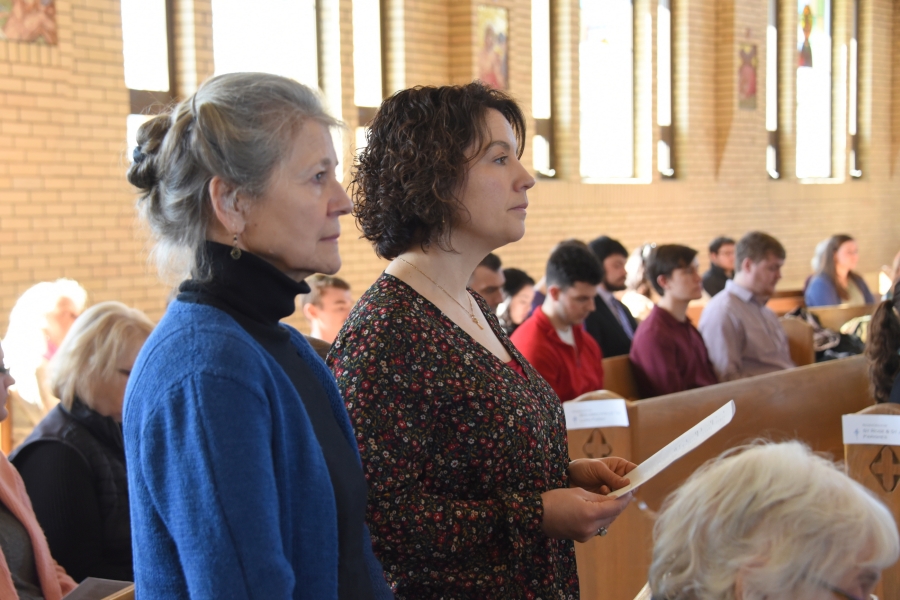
(882, 346)
(419, 146)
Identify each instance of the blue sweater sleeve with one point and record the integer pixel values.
(206, 462)
(821, 292)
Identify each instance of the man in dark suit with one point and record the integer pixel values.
(611, 324)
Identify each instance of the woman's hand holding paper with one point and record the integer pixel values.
(599, 475)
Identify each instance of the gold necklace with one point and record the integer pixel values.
(471, 310)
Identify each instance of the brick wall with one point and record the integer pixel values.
(65, 209)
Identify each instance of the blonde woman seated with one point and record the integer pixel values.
(73, 463)
(772, 522)
(27, 570)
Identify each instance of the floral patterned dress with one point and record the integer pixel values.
(457, 448)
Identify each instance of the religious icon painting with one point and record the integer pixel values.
(748, 56)
(31, 21)
(493, 46)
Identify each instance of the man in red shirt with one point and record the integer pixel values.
(668, 354)
(552, 338)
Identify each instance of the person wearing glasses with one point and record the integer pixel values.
(668, 354)
(771, 521)
(73, 463)
(27, 569)
(471, 491)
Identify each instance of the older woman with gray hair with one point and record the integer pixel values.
(73, 463)
(244, 471)
(771, 521)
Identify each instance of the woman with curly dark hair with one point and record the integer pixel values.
(471, 492)
(883, 349)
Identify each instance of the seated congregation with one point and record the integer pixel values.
(217, 455)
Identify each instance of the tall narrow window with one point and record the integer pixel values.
(853, 104)
(665, 151)
(814, 88)
(147, 47)
(271, 36)
(606, 72)
(772, 149)
(367, 78)
(541, 86)
(367, 65)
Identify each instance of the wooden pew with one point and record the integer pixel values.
(832, 317)
(805, 403)
(800, 339)
(866, 464)
(784, 301)
(781, 303)
(618, 374)
(6, 435)
(606, 565)
(619, 377)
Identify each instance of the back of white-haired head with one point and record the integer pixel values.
(785, 519)
(25, 344)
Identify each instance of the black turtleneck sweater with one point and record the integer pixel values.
(257, 295)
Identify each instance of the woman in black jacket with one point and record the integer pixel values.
(73, 463)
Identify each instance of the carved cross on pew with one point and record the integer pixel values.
(886, 468)
(596, 446)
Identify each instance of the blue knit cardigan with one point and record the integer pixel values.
(229, 491)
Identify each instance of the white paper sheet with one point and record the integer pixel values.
(683, 444)
(871, 429)
(590, 414)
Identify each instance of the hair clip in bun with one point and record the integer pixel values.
(137, 155)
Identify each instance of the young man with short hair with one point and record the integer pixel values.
(552, 338)
(487, 279)
(742, 336)
(611, 324)
(327, 306)
(668, 354)
(721, 265)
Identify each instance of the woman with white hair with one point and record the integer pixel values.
(38, 323)
(244, 470)
(771, 521)
(73, 463)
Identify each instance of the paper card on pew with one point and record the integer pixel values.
(591, 414)
(871, 429)
(683, 444)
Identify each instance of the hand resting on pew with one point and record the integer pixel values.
(579, 511)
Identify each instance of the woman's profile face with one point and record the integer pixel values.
(847, 255)
(294, 224)
(109, 394)
(520, 304)
(6, 380)
(494, 191)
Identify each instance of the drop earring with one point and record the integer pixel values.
(235, 251)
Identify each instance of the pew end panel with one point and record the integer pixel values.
(618, 377)
(877, 467)
(800, 339)
(629, 539)
(804, 403)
